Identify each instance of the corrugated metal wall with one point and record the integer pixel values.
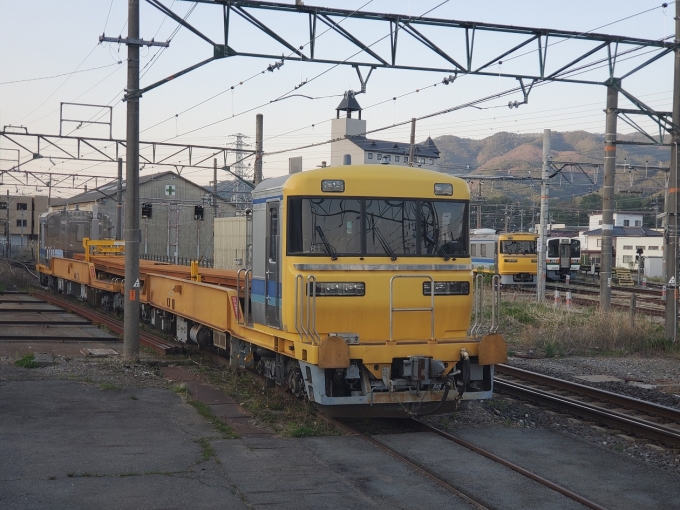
(231, 242)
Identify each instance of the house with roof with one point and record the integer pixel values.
(349, 138)
(629, 235)
(176, 214)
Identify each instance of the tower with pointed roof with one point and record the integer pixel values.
(349, 137)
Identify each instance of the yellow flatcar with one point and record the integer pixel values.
(359, 295)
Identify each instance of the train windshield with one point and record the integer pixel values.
(518, 247)
(377, 227)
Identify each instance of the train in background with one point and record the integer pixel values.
(359, 296)
(563, 258)
(512, 256)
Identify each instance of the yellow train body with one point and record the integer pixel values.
(512, 256)
(379, 328)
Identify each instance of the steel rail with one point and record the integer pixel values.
(608, 417)
(588, 391)
(424, 427)
(157, 344)
(414, 465)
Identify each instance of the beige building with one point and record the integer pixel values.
(20, 219)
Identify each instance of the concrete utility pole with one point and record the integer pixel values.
(608, 198)
(671, 251)
(119, 201)
(257, 171)
(543, 238)
(412, 148)
(214, 200)
(132, 232)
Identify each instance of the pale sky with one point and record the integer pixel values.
(40, 38)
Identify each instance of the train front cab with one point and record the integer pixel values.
(374, 290)
(516, 259)
(563, 258)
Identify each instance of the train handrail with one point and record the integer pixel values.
(392, 309)
(478, 291)
(311, 308)
(238, 290)
(496, 303)
(246, 299)
(299, 305)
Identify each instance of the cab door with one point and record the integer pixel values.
(565, 255)
(272, 285)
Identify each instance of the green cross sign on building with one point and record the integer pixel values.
(170, 190)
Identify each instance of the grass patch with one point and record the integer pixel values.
(26, 361)
(206, 448)
(280, 412)
(205, 411)
(302, 431)
(109, 386)
(583, 331)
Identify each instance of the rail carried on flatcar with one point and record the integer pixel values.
(359, 296)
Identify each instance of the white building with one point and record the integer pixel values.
(349, 138)
(628, 236)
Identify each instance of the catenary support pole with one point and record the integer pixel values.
(132, 233)
(257, 173)
(542, 235)
(412, 148)
(119, 201)
(608, 198)
(214, 200)
(671, 229)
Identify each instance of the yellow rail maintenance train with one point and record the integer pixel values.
(512, 256)
(359, 296)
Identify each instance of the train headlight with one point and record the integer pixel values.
(337, 186)
(443, 188)
(339, 289)
(447, 288)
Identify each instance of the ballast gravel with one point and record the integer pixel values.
(505, 411)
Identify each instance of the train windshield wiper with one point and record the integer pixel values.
(384, 244)
(329, 247)
(434, 242)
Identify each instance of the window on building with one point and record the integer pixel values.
(396, 159)
(599, 222)
(638, 223)
(386, 157)
(652, 247)
(599, 243)
(626, 223)
(21, 223)
(422, 161)
(370, 155)
(22, 206)
(378, 157)
(405, 159)
(3, 205)
(482, 250)
(639, 248)
(431, 162)
(627, 246)
(627, 259)
(473, 250)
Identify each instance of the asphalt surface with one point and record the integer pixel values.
(68, 444)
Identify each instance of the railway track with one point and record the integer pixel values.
(640, 418)
(420, 426)
(157, 344)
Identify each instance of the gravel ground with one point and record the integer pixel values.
(503, 411)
